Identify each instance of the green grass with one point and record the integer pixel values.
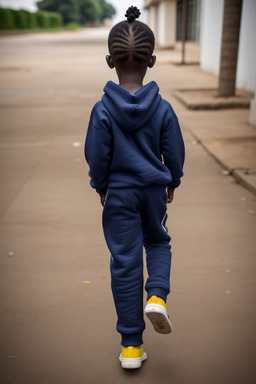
(68, 27)
(72, 26)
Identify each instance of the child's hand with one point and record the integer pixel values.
(170, 195)
(102, 198)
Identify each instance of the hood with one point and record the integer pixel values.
(131, 111)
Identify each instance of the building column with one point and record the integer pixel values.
(229, 47)
(252, 118)
(166, 23)
(152, 20)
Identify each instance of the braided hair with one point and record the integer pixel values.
(131, 40)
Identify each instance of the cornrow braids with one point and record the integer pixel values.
(131, 40)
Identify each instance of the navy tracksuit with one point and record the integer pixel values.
(135, 149)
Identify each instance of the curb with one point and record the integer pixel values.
(246, 179)
(242, 176)
(206, 99)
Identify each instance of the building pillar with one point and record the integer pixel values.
(252, 118)
(152, 20)
(229, 47)
(166, 23)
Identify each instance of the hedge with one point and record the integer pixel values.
(42, 19)
(22, 19)
(55, 20)
(32, 20)
(6, 19)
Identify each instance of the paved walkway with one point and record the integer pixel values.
(57, 320)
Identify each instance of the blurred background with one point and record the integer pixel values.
(218, 27)
(57, 322)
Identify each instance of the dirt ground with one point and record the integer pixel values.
(58, 320)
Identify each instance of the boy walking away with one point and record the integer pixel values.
(135, 152)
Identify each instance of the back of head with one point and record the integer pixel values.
(131, 40)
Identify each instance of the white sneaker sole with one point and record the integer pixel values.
(158, 316)
(132, 363)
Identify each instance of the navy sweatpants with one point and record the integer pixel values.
(133, 217)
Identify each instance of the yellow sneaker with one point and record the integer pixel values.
(156, 311)
(132, 357)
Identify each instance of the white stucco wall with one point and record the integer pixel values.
(211, 32)
(246, 66)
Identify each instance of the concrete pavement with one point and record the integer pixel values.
(57, 320)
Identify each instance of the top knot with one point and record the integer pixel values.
(132, 13)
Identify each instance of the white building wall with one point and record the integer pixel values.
(211, 33)
(246, 67)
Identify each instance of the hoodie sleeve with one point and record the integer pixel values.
(98, 148)
(172, 148)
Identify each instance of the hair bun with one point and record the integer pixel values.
(132, 13)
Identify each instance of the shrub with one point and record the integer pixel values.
(6, 19)
(42, 19)
(20, 19)
(55, 20)
(29, 19)
(32, 20)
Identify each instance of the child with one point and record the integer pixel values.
(135, 151)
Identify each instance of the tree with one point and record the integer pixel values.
(107, 10)
(90, 11)
(83, 11)
(69, 11)
(67, 8)
(49, 5)
(229, 48)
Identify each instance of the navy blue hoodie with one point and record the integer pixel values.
(133, 140)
